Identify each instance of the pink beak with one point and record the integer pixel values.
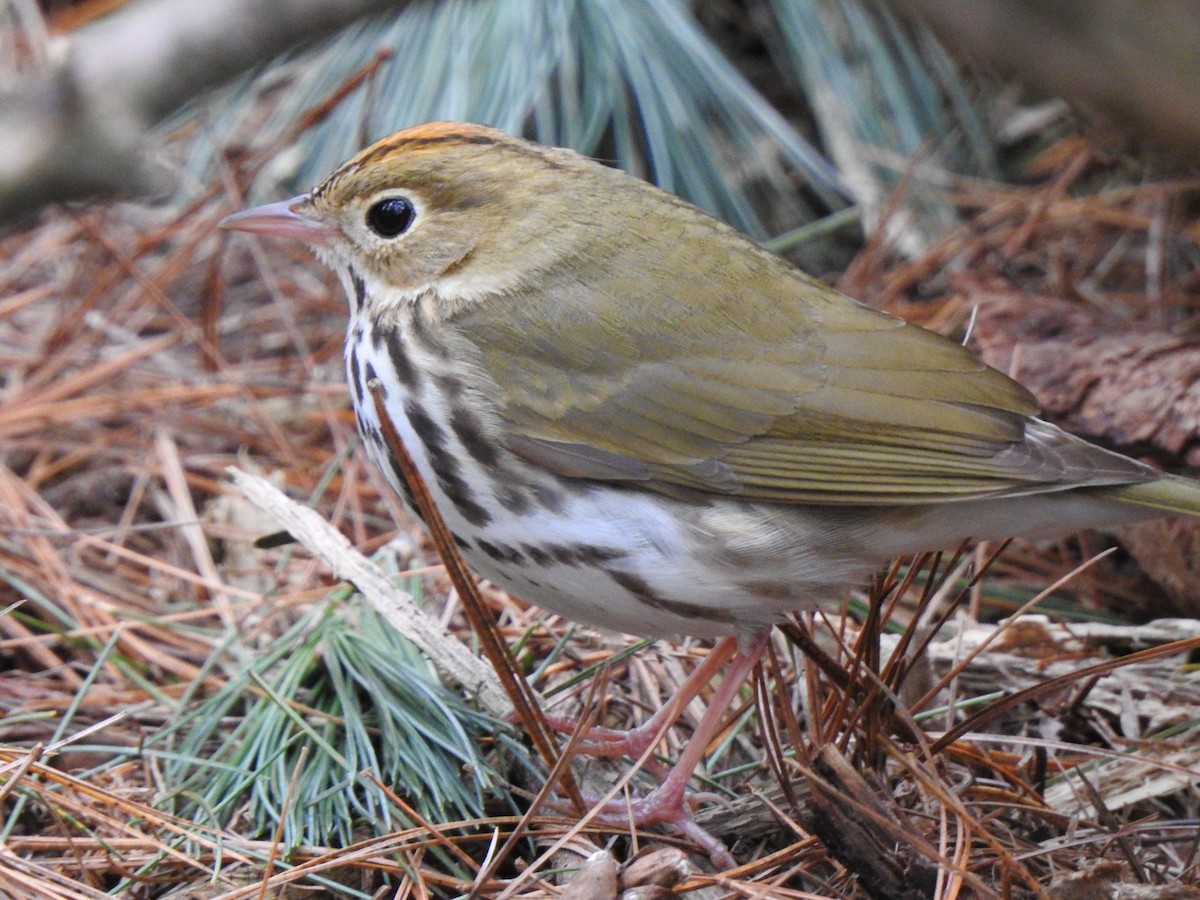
(281, 220)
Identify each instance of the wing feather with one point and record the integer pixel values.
(780, 389)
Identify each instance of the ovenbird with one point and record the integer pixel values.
(633, 416)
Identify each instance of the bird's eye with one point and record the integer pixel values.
(391, 216)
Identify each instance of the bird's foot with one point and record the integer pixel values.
(613, 743)
(668, 804)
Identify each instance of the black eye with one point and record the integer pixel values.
(391, 216)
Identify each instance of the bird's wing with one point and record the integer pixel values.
(782, 390)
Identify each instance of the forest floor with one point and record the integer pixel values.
(189, 708)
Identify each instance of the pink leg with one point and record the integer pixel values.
(611, 743)
(668, 803)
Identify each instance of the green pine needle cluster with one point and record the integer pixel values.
(340, 696)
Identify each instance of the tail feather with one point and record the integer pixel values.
(1170, 494)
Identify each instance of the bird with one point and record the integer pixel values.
(633, 416)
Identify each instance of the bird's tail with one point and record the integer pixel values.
(1170, 494)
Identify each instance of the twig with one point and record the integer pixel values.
(449, 656)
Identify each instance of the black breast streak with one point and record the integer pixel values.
(406, 373)
(451, 387)
(445, 466)
(429, 432)
(356, 380)
(548, 498)
(575, 556)
(466, 425)
(360, 290)
(538, 554)
(512, 498)
(510, 490)
(501, 553)
(458, 493)
(646, 594)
